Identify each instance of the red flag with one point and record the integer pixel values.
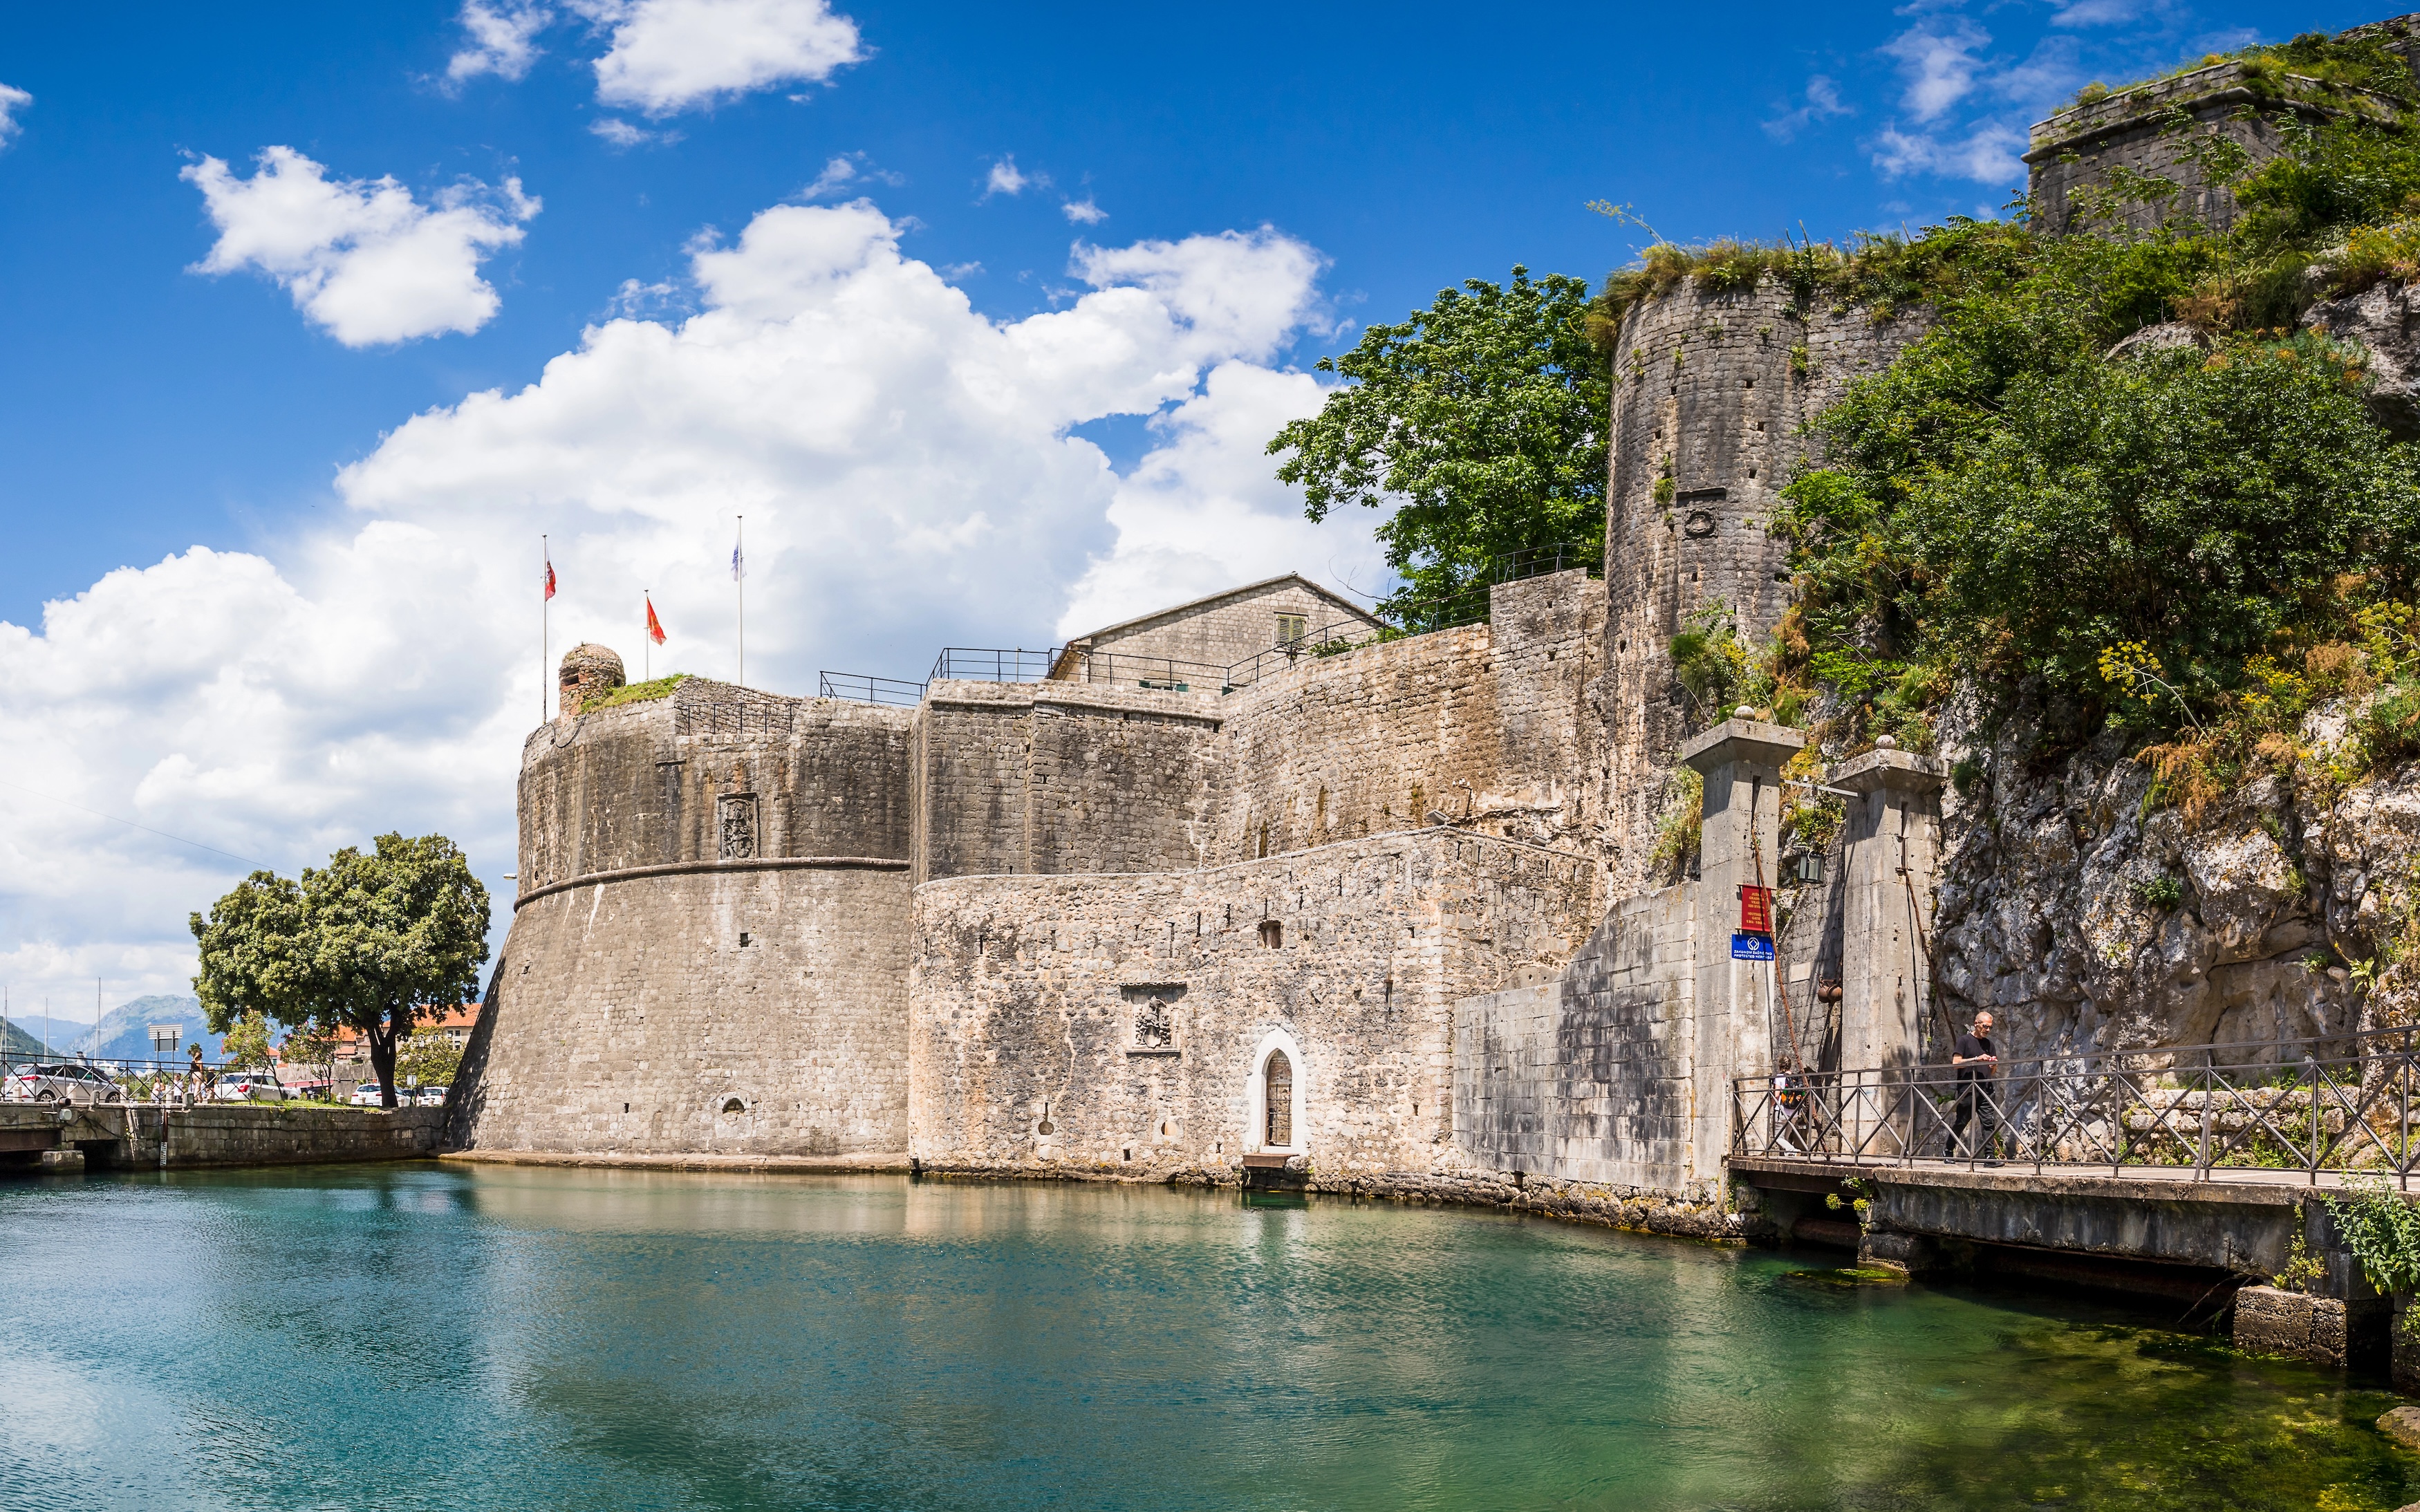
(550, 578)
(654, 627)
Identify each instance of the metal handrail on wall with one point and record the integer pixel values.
(859, 688)
(2337, 1106)
(1164, 672)
(991, 664)
(1468, 606)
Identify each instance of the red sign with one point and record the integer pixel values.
(1756, 910)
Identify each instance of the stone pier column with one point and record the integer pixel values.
(1893, 843)
(1741, 761)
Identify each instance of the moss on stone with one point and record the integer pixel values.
(635, 693)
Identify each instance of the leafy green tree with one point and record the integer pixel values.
(2192, 506)
(1480, 420)
(247, 1041)
(428, 1060)
(313, 1045)
(374, 941)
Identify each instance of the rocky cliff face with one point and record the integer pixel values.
(2086, 918)
(2384, 320)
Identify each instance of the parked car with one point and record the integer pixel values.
(61, 1082)
(366, 1096)
(310, 1088)
(249, 1086)
(430, 1097)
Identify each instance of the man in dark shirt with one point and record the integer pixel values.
(1978, 1062)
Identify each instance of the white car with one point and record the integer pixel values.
(249, 1086)
(60, 1082)
(366, 1096)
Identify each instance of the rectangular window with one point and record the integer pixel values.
(1290, 630)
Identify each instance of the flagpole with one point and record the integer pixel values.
(543, 649)
(739, 576)
(646, 639)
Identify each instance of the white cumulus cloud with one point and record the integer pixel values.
(1938, 58)
(1202, 511)
(363, 258)
(670, 55)
(620, 133)
(501, 39)
(849, 170)
(13, 103)
(1004, 179)
(1988, 154)
(1084, 212)
(911, 473)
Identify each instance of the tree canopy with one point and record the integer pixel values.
(1480, 421)
(373, 941)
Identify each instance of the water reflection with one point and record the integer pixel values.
(405, 1337)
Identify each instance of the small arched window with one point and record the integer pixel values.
(1272, 933)
(1277, 1086)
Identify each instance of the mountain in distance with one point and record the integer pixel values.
(19, 1044)
(125, 1032)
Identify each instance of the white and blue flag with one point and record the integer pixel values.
(739, 566)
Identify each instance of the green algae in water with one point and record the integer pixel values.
(1851, 1276)
(406, 1337)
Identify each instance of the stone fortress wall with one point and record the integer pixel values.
(737, 910)
(2157, 128)
(1064, 926)
(1124, 1025)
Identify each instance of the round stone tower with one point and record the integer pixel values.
(588, 670)
(1711, 390)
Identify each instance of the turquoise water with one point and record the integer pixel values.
(405, 1337)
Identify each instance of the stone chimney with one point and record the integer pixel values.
(588, 670)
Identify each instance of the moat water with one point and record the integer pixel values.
(405, 1337)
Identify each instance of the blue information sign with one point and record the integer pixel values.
(1746, 947)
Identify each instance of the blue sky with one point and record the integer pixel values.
(980, 313)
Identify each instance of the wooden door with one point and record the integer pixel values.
(1279, 1099)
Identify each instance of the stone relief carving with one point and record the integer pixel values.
(737, 812)
(1154, 1029)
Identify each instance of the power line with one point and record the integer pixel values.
(180, 839)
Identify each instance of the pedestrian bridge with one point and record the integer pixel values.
(2184, 1171)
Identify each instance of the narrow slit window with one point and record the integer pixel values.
(1278, 1087)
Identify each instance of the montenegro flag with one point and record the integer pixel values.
(654, 627)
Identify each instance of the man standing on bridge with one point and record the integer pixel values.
(1976, 1061)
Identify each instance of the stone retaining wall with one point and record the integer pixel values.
(268, 1134)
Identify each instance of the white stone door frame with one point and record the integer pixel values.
(1256, 1082)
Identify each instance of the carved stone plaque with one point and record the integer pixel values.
(1155, 1029)
(736, 815)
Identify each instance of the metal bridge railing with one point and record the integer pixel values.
(138, 1080)
(2338, 1105)
(860, 689)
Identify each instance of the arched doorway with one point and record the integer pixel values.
(1277, 1098)
(1275, 1078)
